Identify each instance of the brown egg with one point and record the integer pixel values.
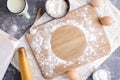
(107, 20)
(97, 3)
(72, 75)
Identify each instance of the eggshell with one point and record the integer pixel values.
(72, 75)
(107, 20)
(97, 3)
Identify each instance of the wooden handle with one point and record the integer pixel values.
(36, 18)
(38, 14)
(24, 65)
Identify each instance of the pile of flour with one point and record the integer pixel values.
(101, 75)
(56, 8)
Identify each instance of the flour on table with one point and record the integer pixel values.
(14, 28)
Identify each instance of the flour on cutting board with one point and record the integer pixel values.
(94, 34)
(112, 33)
(52, 61)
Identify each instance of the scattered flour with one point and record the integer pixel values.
(56, 8)
(14, 28)
(33, 31)
(48, 61)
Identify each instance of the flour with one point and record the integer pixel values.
(56, 8)
(101, 75)
(14, 28)
(33, 31)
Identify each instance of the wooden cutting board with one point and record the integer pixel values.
(69, 42)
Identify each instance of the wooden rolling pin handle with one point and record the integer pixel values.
(24, 64)
(38, 14)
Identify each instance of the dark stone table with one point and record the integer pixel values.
(13, 74)
(14, 24)
(111, 65)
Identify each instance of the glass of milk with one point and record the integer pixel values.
(19, 7)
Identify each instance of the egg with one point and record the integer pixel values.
(72, 75)
(107, 20)
(97, 3)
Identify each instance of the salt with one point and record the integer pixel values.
(56, 8)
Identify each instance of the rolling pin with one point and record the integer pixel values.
(24, 64)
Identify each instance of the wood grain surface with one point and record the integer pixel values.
(68, 42)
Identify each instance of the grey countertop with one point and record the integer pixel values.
(14, 24)
(116, 3)
(14, 74)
